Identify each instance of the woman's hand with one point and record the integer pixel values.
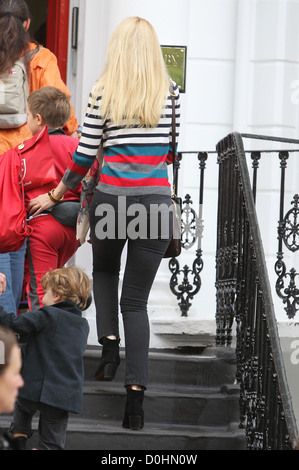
(40, 204)
(2, 283)
(44, 201)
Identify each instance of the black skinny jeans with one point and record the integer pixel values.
(121, 223)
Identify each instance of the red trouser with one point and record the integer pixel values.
(49, 247)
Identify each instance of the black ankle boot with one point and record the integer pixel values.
(134, 414)
(20, 443)
(16, 443)
(110, 360)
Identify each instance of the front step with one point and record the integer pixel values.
(204, 367)
(191, 403)
(92, 436)
(208, 407)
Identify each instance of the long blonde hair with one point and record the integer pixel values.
(135, 84)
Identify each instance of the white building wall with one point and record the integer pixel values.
(242, 74)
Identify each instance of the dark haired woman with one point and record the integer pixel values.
(42, 70)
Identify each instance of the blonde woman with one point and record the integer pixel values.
(130, 114)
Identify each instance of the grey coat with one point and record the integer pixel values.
(53, 356)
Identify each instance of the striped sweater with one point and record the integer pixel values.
(135, 158)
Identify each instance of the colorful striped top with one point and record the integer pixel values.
(135, 158)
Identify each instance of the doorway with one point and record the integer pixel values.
(50, 26)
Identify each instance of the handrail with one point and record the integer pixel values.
(272, 138)
(244, 296)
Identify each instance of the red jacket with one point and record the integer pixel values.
(63, 148)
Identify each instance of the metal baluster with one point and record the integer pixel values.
(192, 225)
(287, 226)
(255, 156)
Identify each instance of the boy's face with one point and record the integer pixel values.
(35, 123)
(50, 298)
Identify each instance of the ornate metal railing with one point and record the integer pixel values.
(243, 295)
(288, 223)
(185, 282)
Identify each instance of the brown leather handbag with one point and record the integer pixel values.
(175, 245)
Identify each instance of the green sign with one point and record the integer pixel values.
(175, 60)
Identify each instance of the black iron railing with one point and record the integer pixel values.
(185, 281)
(243, 291)
(243, 296)
(288, 221)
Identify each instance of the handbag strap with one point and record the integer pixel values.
(173, 136)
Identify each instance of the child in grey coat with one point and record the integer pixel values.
(53, 357)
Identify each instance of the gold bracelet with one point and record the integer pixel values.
(53, 199)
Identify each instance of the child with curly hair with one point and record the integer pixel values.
(53, 358)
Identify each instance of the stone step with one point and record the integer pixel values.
(204, 367)
(188, 405)
(191, 403)
(154, 437)
(94, 435)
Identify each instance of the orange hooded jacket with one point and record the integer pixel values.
(43, 71)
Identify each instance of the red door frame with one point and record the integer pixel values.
(57, 32)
